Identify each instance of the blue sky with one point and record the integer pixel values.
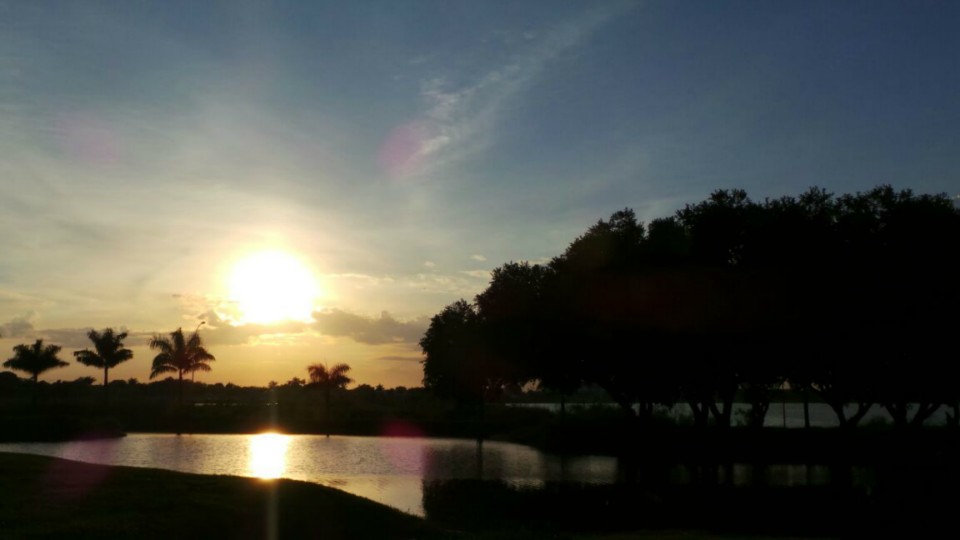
(401, 150)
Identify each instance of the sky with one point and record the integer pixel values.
(314, 180)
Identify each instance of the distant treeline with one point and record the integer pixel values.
(15, 390)
(852, 299)
(68, 409)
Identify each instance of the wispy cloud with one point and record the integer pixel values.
(482, 274)
(460, 285)
(459, 118)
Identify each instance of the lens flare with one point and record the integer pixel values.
(268, 455)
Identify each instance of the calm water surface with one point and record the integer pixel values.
(388, 470)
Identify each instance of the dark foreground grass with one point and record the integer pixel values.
(43, 497)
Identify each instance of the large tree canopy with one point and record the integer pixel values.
(847, 296)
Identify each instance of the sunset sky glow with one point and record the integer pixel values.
(314, 180)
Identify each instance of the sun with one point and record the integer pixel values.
(268, 455)
(272, 286)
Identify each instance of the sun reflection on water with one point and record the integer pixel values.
(268, 455)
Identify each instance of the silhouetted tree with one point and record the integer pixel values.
(718, 228)
(457, 363)
(603, 296)
(179, 355)
(108, 352)
(513, 323)
(295, 382)
(35, 359)
(843, 296)
(453, 364)
(329, 379)
(953, 417)
(759, 371)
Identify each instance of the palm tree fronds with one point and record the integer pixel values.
(179, 355)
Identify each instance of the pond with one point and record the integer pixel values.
(455, 483)
(389, 470)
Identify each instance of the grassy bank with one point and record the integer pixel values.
(42, 497)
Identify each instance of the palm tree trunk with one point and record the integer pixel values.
(105, 383)
(36, 389)
(179, 413)
(480, 428)
(326, 409)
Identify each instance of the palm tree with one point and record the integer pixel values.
(108, 353)
(179, 355)
(328, 379)
(35, 359)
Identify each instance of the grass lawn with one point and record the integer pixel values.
(42, 497)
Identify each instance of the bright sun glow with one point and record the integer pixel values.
(272, 286)
(268, 455)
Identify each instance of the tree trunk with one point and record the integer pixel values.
(326, 410)
(625, 403)
(562, 431)
(105, 383)
(724, 413)
(480, 428)
(897, 411)
(925, 411)
(701, 413)
(758, 412)
(645, 412)
(36, 389)
(837, 407)
(862, 409)
(480, 459)
(180, 402)
(783, 409)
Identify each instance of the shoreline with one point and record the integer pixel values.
(50, 497)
